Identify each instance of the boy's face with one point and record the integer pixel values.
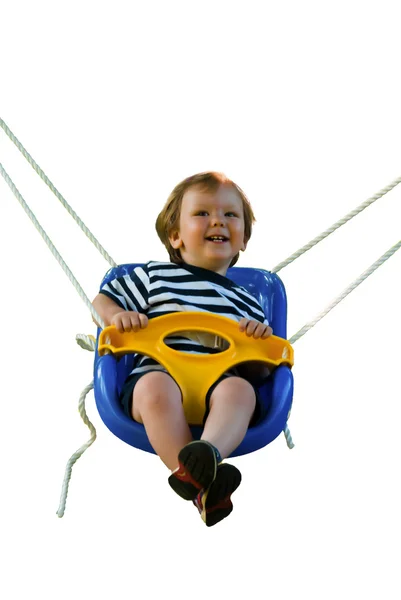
(207, 214)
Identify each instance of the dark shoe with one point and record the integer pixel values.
(197, 469)
(214, 503)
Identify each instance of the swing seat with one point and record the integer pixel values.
(110, 371)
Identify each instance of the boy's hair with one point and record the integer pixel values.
(169, 218)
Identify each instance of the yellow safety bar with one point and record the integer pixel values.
(195, 373)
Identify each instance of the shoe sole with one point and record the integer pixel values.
(218, 503)
(198, 460)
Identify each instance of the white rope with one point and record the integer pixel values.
(313, 243)
(334, 303)
(288, 438)
(64, 202)
(339, 223)
(51, 246)
(79, 452)
(87, 342)
(347, 291)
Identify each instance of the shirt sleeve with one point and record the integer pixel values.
(130, 292)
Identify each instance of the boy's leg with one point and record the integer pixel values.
(157, 404)
(231, 407)
(232, 404)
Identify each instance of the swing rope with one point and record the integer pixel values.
(336, 225)
(88, 342)
(347, 291)
(64, 202)
(73, 459)
(51, 246)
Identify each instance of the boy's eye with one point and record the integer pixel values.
(204, 212)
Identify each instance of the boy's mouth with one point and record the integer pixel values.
(217, 239)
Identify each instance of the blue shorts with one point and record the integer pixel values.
(131, 381)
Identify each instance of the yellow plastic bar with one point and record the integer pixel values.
(195, 373)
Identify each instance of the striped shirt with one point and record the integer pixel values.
(161, 288)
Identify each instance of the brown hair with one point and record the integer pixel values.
(169, 217)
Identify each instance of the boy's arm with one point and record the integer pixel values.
(106, 308)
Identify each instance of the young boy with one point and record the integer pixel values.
(205, 224)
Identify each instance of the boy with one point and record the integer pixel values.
(205, 224)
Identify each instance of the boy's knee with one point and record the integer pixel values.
(235, 391)
(156, 390)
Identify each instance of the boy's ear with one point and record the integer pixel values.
(244, 245)
(175, 239)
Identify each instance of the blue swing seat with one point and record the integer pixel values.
(276, 392)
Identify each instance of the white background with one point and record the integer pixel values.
(299, 103)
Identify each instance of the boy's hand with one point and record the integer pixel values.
(255, 329)
(128, 320)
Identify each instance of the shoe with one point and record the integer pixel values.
(214, 503)
(197, 469)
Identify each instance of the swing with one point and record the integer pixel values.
(266, 286)
(276, 393)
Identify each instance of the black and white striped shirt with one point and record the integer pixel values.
(161, 288)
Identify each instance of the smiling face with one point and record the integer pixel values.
(211, 228)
